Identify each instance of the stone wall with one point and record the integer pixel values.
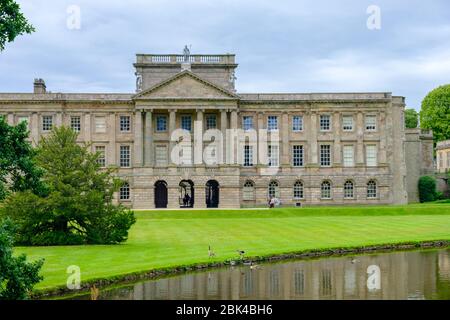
(419, 160)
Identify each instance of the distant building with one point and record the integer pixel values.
(443, 156)
(324, 148)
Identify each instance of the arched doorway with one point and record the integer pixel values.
(160, 194)
(186, 194)
(212, 194)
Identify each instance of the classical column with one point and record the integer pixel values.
(138, 146)
(172, 127)
(87, 126)
(262, 140)
(223, 129)
(111, 156)
(198, 138)
(313, 136)
(148, 139)
(58, 119)
(337, 138)
(233, 143)
(382, 133)
(360, 138)
(34, 128)
(10, 119)
(285, 139)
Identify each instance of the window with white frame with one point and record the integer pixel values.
(161, 123)
(325, 190)
(371, 122)
(298, 190)
(125, 156)
(448, 159)
(248, 192)
(325, 122)
(348, 190)
(101, 160)
(211, 121)
(348, 156)
(75, 123)
(124, 192)
(297, 123)
(273, 155)
(161, 155)
(371, 155)
(273, 190)
(100, 124)
(272, 123)
(47, 123)
(186, 123)
(248, 156)
(440, 160)
(247, 122)
(297, 156)
(347, 123)
(371, 189)
(125, 123)
(325, 155)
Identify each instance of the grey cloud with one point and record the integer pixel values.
(282, 46)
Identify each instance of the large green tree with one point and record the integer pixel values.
(435, 112)
(79, 207)
(17, 276)
(411, 118)
(18, 170)
(12, 22)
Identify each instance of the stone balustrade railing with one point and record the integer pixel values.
(443, 144)
(179, 58)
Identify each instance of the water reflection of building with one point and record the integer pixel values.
(404, 275)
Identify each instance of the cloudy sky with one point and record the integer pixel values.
(281, 46)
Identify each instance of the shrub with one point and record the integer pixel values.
(17, 276)
(427, 189)
(79, 206)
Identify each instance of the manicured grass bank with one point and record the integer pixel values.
(162, 239)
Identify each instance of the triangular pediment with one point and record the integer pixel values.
(186, 85)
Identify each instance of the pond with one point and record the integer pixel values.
(423, 274)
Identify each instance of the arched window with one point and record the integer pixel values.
(371, 189)
(298, 190)
(274, 190)
(325, 190)
(124, 192)
(248, 192)
(348, 190)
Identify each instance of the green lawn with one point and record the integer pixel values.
(169, 238)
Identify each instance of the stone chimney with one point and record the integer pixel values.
(39, 86)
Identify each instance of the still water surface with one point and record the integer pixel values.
(401, 275)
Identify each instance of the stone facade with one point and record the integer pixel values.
(419, 160)
(353, 148)
(443, 156)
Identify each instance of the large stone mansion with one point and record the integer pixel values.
(329, 148)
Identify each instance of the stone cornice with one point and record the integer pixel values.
(335, 101)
